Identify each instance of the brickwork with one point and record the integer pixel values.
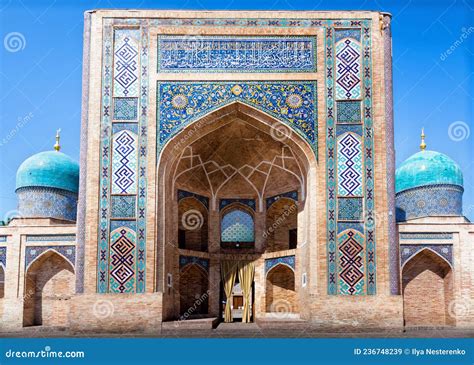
(49, 288)
(280, 290)
(425, 279)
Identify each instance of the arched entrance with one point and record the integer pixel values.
(193, 291)
(49, 284)
(280, 293)
(235, 162)
(427, 282)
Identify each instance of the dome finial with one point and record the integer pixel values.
(423, 144)
(57, 146)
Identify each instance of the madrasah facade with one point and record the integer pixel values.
(237, 166)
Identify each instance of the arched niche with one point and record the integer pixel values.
(49, 284)
(427, 285)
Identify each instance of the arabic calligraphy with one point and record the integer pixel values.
(236, 54)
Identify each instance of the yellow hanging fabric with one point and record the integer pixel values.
(228, 274)
(246, 274)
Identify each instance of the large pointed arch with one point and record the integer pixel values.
(292, 155)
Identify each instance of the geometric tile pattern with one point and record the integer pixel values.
(348, 103)
(425, 236)
(236, 54)
(290, 195)
(123, 206)
(33, 252)
(348, 112)
(408, 251)
(125, 108)
(350, 209)
(425, 201)
(126, 62)
(124, 161)
(47, 202)
(189, 260)
(3, 257)
(121, 267)
(349, 165)
(228, 201)
(292, 102)
(122, 264)
(335, 30)
(51, 237)
(348, 79)
(284, 260)
(351, 262)
(237, 226)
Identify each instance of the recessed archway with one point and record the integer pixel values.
(280, 291)
(231, 155)
(193, 291)
(427, 283)
(49, 284)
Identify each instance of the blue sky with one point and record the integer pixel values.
(40, 83)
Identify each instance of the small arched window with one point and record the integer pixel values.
(237, 226)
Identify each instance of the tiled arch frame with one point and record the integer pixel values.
(330, 28)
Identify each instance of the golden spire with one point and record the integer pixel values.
(423, 144)
(57, 146)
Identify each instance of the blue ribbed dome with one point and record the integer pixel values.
(50, 169)
(427, 168)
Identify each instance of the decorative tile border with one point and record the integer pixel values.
(51, 237)
(33, 252)
(179, 103)
(290, 195)
(3, 257)
(409, 251)
(228, 201)
(186, 194)
(284, 260)
(189, 260)
(198, 53)
(426, 236)
(122, 244)
(348, 55)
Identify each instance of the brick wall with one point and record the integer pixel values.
(49, 287)
(193, 286)
(427, 282)
(280, 290)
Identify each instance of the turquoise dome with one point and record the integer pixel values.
(427, 168)
(50, 169)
